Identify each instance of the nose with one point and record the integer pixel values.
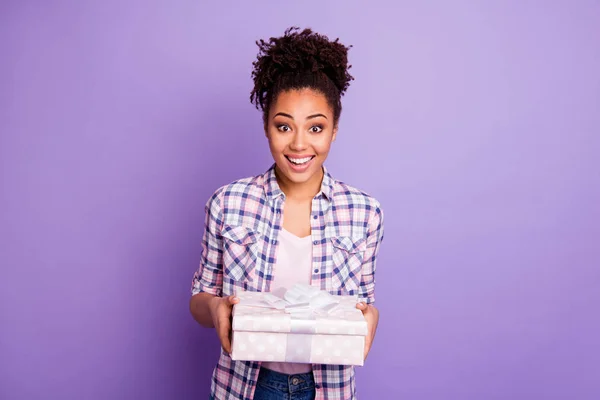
(299, 142)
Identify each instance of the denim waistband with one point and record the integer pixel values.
(287, 383)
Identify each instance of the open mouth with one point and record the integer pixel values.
(299, 161)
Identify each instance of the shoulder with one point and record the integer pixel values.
(358, 210)
(345, 195)
(251, 187)
(355, 212)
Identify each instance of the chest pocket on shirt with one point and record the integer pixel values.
(348, 253)
(239, 253)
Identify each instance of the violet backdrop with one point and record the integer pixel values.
(476, 124)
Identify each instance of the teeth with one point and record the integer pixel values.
(300, 160)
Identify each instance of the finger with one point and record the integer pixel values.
(225, 341)
(362, 307)
(223, 331)
(367, 347)
(231, 300)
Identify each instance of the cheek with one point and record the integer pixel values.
(322, 145)
(275, 144)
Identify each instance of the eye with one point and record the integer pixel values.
(316, 129)
(283, 128)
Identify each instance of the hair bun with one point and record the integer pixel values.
(302, 52)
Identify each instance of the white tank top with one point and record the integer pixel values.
(293, 265)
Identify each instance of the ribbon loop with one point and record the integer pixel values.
(306, 299)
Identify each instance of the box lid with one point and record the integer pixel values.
(258, 312)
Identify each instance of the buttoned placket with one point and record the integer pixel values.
(318, 221)
(277, 204)
(318, 224)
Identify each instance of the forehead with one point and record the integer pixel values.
(301, 102)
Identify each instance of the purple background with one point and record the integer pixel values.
(476, 126)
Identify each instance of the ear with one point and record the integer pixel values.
(335, 130)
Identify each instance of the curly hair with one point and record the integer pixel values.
(299, 60)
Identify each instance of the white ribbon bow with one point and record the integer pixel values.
(301, 299)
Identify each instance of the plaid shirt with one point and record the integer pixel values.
(239, 248)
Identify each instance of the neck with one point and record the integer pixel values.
(300, 191)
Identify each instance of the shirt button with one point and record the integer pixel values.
(317, 386)
(273, 241)
(316, 242)
(315, 216)
(316, 270)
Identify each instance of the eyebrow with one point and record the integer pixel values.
(292, 118)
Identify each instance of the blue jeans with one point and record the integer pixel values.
(272, 385)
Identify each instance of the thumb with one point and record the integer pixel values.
(231, 300)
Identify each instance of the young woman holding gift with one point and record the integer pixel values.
(293, 224)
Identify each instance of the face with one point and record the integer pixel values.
(300, 129)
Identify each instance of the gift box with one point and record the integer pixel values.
(301, 325)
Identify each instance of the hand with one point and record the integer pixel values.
(220, 311)
(371, 314)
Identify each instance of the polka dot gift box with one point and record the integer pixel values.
(302, 324)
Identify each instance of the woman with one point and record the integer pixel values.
(293, 224)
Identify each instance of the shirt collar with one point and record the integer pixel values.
(272, 189)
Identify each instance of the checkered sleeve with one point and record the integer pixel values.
(208, 278)
(366, 291)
